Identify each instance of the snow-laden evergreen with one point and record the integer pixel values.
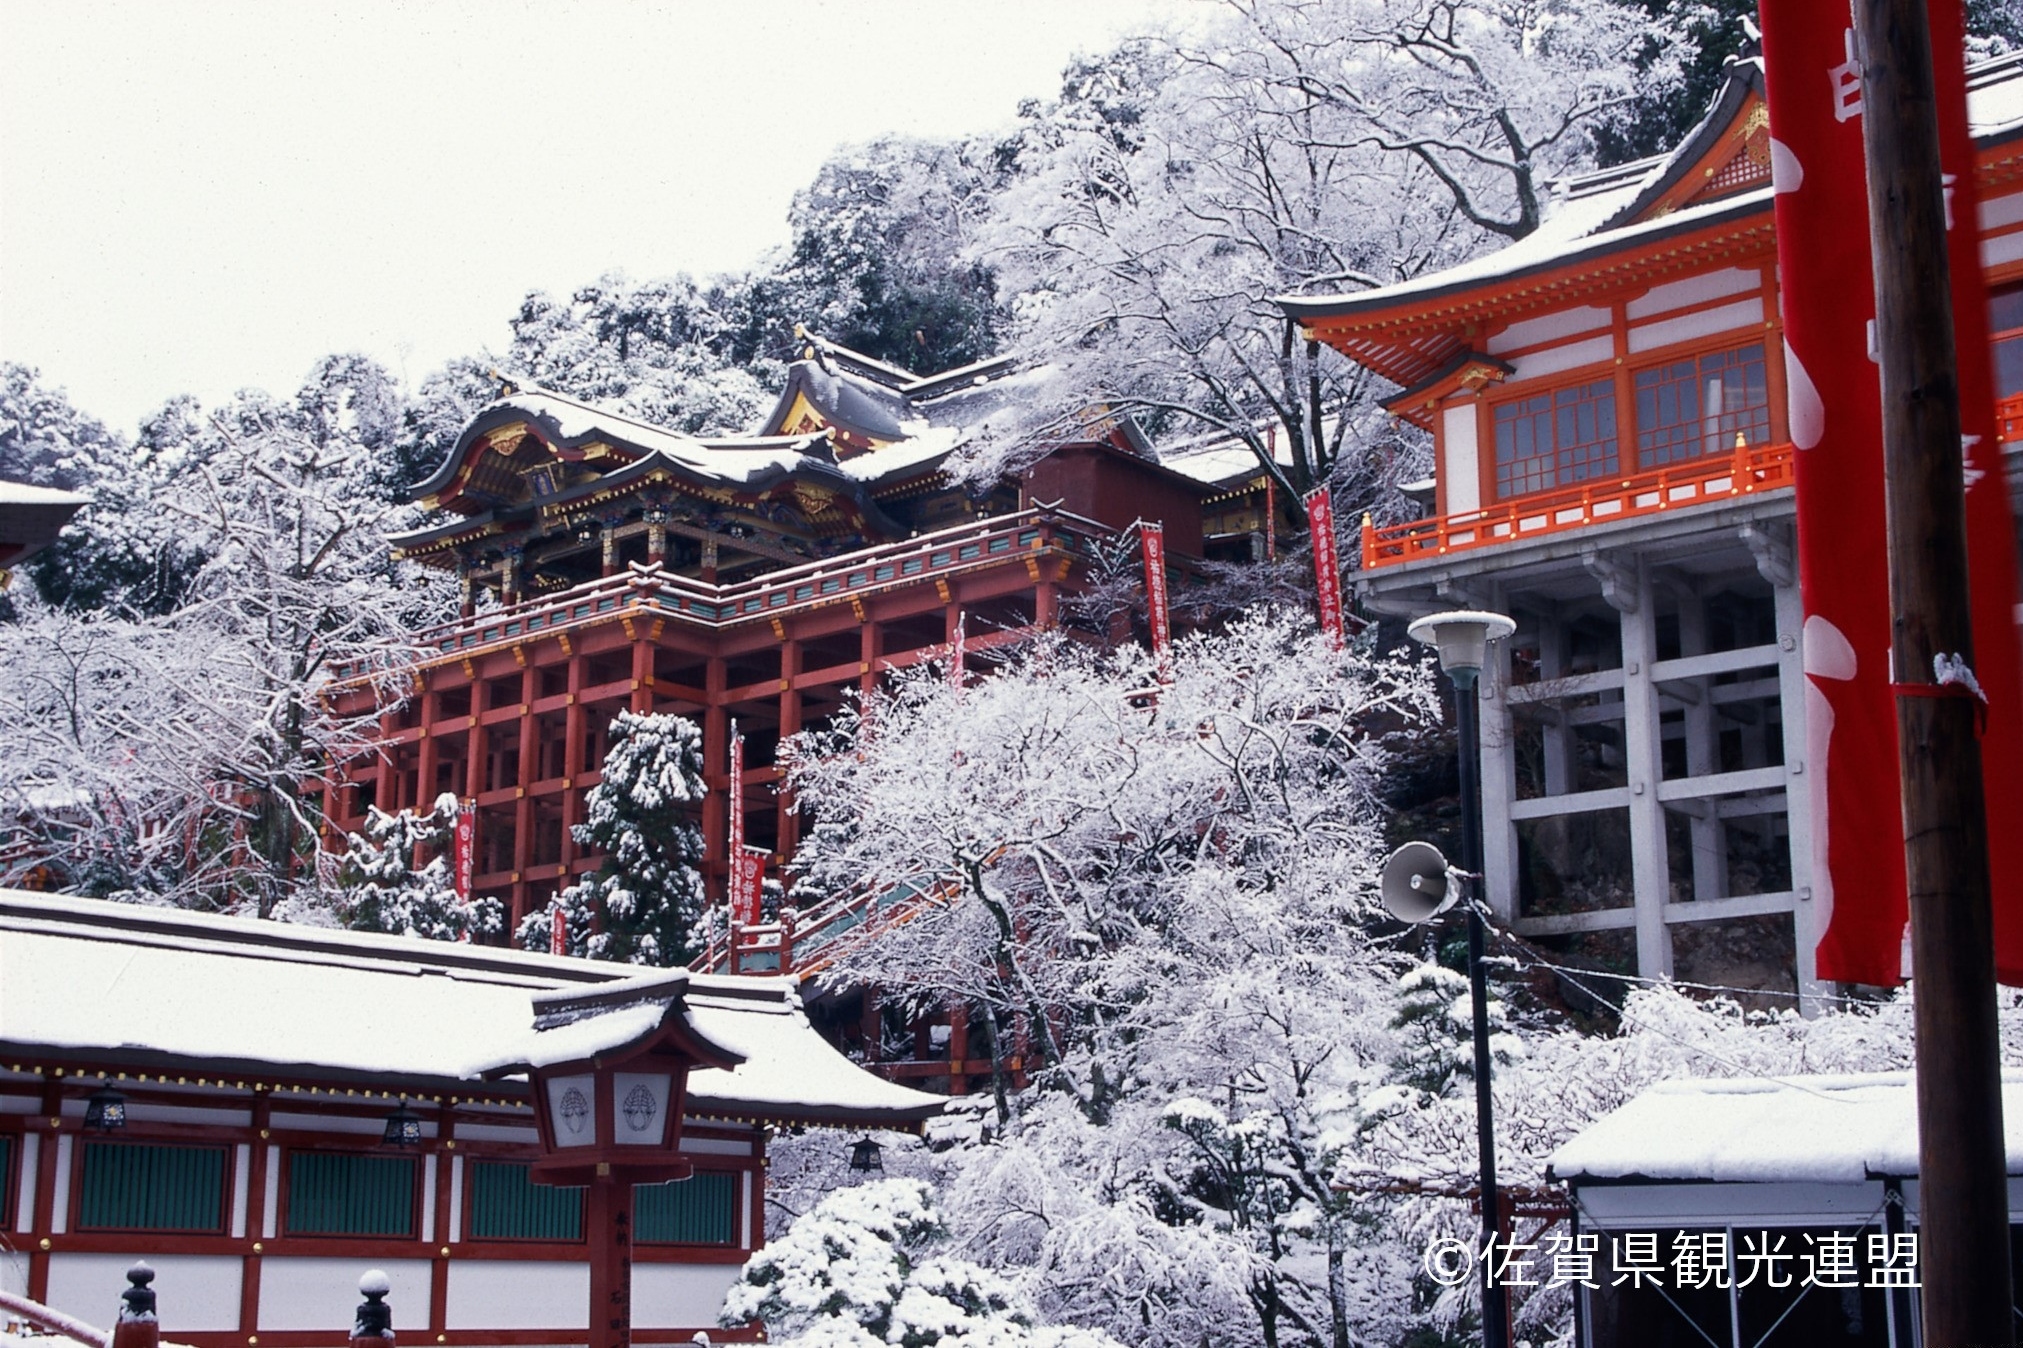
(396, 878)
(643, 903)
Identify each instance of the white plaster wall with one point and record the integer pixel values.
(1549, 327)
(680, 1296)
(270, 1207)
(242, 1170)
(492, 1132)
(322, 1294)
(516, 1294)
(715, 1146)
(193, 1291)
(1693, 290)
(59, 1212)
(1688, 327)
(14, 1273)
(1556, 358)
(2006, 248)
(1460, 470)
(29, 1170)
(1999, 211)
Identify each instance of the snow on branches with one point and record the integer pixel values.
(642, 904)
(862, 1271)
(396, 878)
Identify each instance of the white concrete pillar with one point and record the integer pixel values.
(1631, 595)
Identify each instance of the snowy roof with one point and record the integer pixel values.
(32, 517)
(148, 988)
(1593, 215)
(1821, 1129)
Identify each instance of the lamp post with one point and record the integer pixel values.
(609, 1070)
(1463, 638)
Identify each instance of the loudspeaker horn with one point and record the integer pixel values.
(1415, 883)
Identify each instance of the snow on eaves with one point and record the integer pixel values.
(1823, 1129)
(109, 983)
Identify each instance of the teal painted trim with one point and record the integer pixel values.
(700, 1210)
(507, 1205)
(340, 1194)
(132, 1186)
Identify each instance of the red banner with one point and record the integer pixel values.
(1320, 507)
(463, 849)
(1152, 539)
(558, 930)
(748, 881)
(1834, 396)
(958, 654)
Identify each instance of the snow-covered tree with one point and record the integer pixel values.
(863, 1270)
(1176, 188)
(642, 903)
(396, 878)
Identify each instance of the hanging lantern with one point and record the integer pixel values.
(105, 1110)
(403, 1128)
(867, 1155)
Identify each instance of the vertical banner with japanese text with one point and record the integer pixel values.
(744, 899)
(1320, 507)
(463, 849)
(1152, 539)
(558, 930)
(1833, 392)
(958, 653)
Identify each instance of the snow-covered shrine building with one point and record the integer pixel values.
(1733, 1213)
(259, 1068)
(608, 565)
(1606, 399)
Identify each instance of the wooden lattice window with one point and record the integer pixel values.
(137, 1186)
(700, 1210)
(1555, 439)
(1700, 404)
(506, 1204)
(350, 1194)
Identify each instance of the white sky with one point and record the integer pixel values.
(203, 195)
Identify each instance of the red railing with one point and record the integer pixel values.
(805, 943)
(1751, 469)
(2009, 420)
(656, 593)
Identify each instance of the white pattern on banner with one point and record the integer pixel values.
(463, 849)
(1152, 539)
(1327, 563)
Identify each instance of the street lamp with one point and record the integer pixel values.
(609, 1069)
(1463, 638)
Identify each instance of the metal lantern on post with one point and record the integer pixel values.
(867, 1155)
(1417, 885)
(609, 1072)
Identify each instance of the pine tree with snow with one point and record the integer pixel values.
(642, 904)
(396, 879)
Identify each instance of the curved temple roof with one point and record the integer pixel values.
(147, 989)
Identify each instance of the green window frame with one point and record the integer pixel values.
(146, 1186)
(334, 1193)
(506, 1204)
(700, 1210)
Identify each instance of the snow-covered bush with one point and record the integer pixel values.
(861, 1270)
(641, 905)
(396, 878)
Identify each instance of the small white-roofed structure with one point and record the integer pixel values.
(1805, 1185)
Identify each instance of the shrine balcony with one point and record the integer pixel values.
(1716, 478)
(649, 592)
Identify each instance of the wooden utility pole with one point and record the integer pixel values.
(1963, 1188)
